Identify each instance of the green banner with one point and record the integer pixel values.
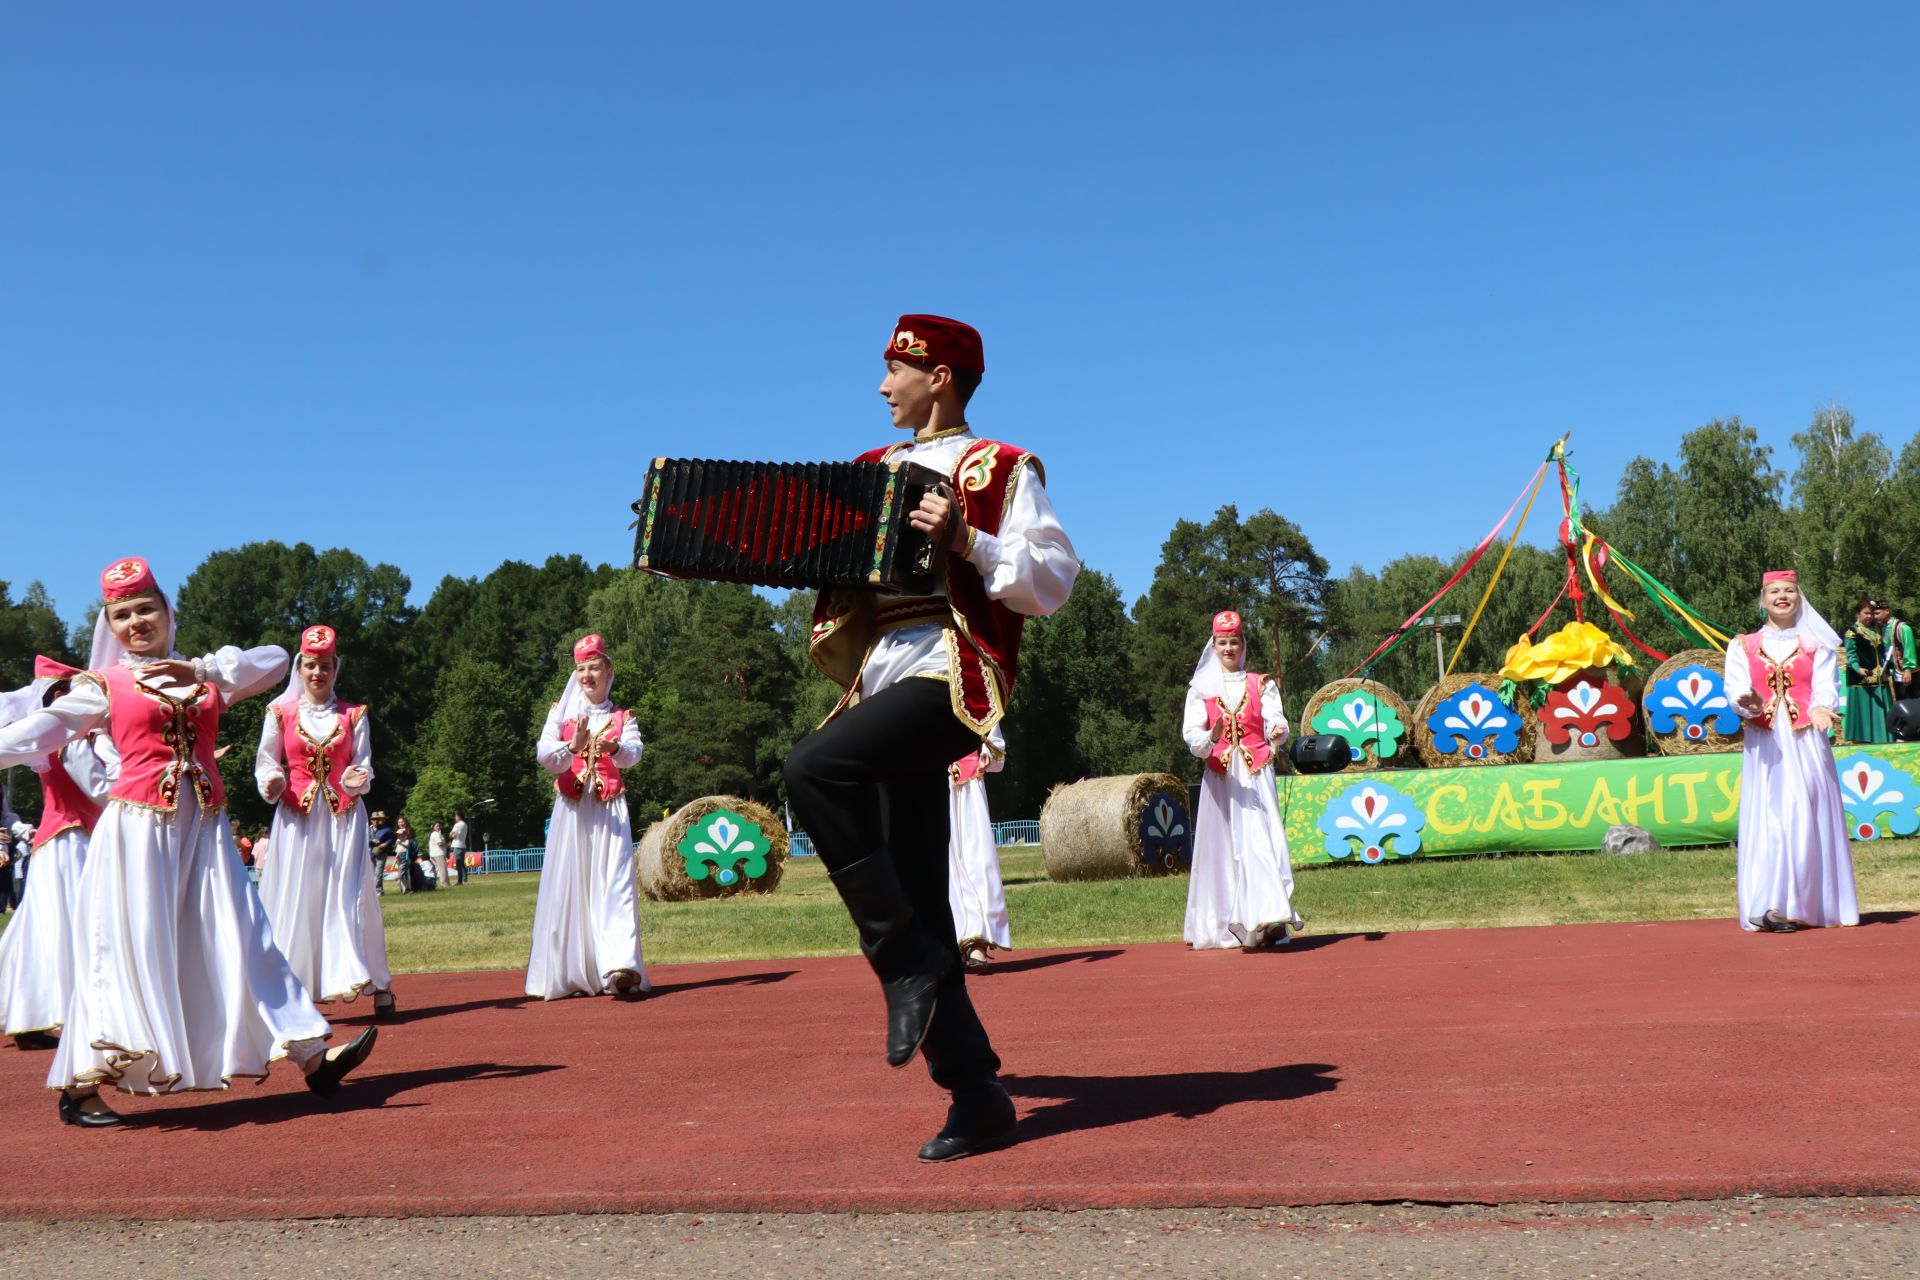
(1682, 800)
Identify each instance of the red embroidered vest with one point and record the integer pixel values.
(596, 760)
(164, 742)
(63, 805)
(314, 768)
(982, 635)
(1789, 682)
(1246, 730)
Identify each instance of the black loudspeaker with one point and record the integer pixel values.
(1320, 753)
(1905, 720)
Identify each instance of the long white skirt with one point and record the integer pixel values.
(317, 886)
(1242, 879)
(178, 984)
(974, 891)
(586, 921)
(36, 955)
(1794, 857)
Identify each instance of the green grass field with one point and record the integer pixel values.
(486, 925)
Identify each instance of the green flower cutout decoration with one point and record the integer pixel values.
(727, 847)
(1361, 718)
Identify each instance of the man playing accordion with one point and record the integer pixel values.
(926, 678)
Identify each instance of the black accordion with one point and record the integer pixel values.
(786, 524)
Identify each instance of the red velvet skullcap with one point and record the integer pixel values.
(934, 340)
(1226, 623)
(1779, 575)
(127, 578)
(45, 668)
(590, 646)
(320, 641)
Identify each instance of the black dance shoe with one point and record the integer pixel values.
(976, 1122)
(384, 1006)
(1774, 922)
(36, 1040)
(325, 1079)
(72, 1112)
(909, 962)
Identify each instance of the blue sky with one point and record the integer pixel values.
(433, 281)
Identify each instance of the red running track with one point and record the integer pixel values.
(1597, 1062)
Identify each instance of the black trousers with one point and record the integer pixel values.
(873, 783)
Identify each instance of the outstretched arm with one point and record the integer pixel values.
(37, 735)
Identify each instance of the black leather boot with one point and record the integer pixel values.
(979, 1119)
(906, 959)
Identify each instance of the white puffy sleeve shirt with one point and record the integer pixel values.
(1193, 725)
(556, 753)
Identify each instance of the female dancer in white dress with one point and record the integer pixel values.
(1795, 867)
(178, 985)
(36, 955)
(314, 764)
(586, 922)
(1240, 892)
(974, 891)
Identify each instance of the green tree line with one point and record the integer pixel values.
(457, 688)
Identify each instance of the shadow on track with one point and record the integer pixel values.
(1887, 917)
(738, 980)
(1027, 963)
(360, 1012)
(358, 1093)
(1100, 1102)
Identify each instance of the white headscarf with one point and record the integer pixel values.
(1808, 626)
(296, 687)
(108, 652)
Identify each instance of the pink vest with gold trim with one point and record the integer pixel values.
(63, 805)
(165, 742)
(597, 759)
(314, 768)
(1246, 730)
(1790, 682)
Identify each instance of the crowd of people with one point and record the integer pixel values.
(397, 855)
(1880, 670)
(142, 876)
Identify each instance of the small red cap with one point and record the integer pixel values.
(934, 340)
(320, 641)
(589, 646)
(1226, 623)
(126, 578)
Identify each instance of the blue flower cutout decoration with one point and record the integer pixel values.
(1872, 789)
(1166, 833)
(1372, 820)
(1462, 723)
(1692, 700)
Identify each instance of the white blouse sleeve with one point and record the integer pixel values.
(1272, 713)
(362, 753)
(266, 761)
(85, 764)
(1030, 565)
(241, 673)
(1194, 726)
(627, 754)
(1736, 679)
(37, 735)
(1826, 679)
(553, 752)
(993, 752)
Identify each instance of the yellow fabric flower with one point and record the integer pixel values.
(1572, 648)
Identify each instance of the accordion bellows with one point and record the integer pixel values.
(786, 524)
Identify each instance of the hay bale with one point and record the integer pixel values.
(1469, 748)
(1591, 737)
(1363, 713)
(1137, 824)
(1694, 725)
(661, 866)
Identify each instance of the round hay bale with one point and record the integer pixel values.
(1685, 705)
(1586, 710)
(1138, 824)
(1367, 715)
(1483, 732)
(745, 851)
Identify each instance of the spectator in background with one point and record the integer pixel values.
(405, 850)
(457, 843)
(379, 846)
(1868, 697)
(437, 853)
(1902, 661)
